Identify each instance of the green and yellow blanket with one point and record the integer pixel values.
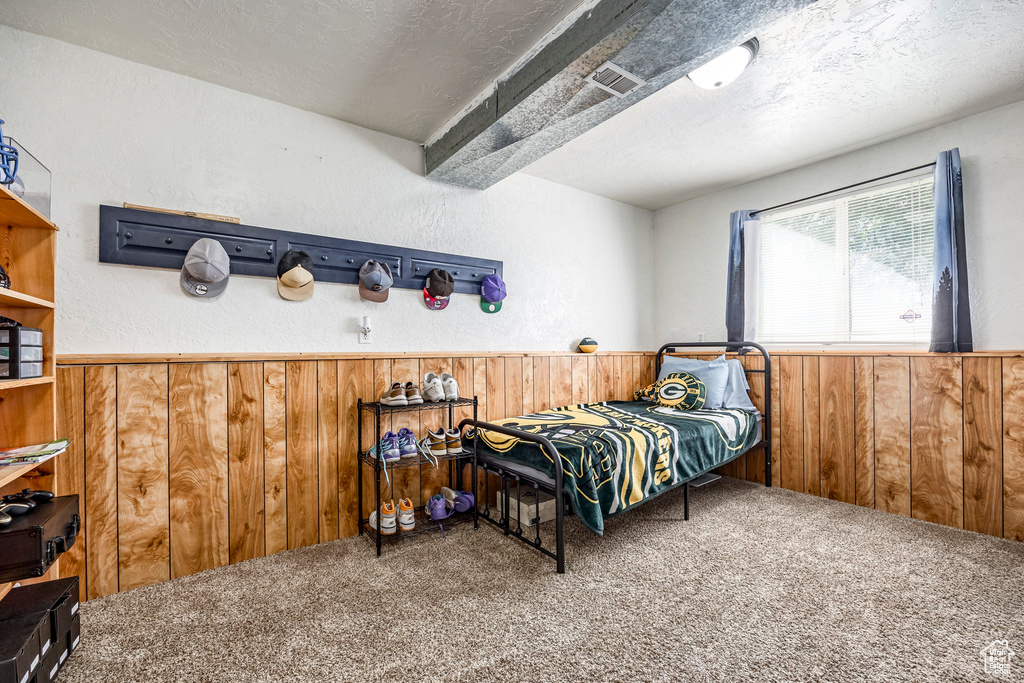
(616, 455)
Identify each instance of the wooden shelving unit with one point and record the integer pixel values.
(28, 407)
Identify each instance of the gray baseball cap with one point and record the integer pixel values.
(374, 281)
(206, 269)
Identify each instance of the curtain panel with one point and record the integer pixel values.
(742, 289)
(951, 307)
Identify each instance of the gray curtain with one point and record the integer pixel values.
(740, 319)
(951, 306)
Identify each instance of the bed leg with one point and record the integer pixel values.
(560, 530)
(686, 502)
(768, 464)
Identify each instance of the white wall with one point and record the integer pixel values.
(692, 238)
(113, 131)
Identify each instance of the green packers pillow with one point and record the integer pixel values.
(679, 390)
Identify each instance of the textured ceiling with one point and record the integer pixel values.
(836, 76)
(403, 67)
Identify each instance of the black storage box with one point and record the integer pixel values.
(34, 540)
(58, 599)
(51, 665)
(75, 634)
(19, 645)
(21, 352)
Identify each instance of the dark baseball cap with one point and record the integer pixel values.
(295, 276)
(374, 281)
(206, 270)
(492, 291)
(438, 289)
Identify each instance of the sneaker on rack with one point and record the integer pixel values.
(438, 508)
(389, 446)
(406, 515)
(460, 500)
(386, 514)
(451, 387)
(437, 443)
(453, 441)
(433, 389)
(412, 394)
(395, 396)
(407, 443)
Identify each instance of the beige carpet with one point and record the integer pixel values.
(760, 585)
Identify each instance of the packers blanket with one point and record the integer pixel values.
(616, 455)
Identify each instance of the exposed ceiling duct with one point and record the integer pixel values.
(635, 48)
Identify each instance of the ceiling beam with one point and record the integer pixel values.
(545, 102)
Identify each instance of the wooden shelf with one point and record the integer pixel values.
(9, 473)
(12, 299)
(15, 212)
(19, 383)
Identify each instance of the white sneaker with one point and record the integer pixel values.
(387, 515)
(433, 389)
(406, 515)
(451, 387)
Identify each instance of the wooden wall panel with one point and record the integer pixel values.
(101, 495)
(791, 422)
(983, 445)
(812, 427)
(70, 475)
(754, 467)
(275, 456)
(936, 432)
(1013, 448)
(198, 467)
(580, 380)
(864, 429)
(303, 490)
(605, 378)
(561, 381)
(142, 486)
(480, 388)
(513, 386)
(541, 383)
(495, 388)
(892, 435)
(355, 381)
(529, 390)
(246, 497)
(776, 434)
(327, 447)
(837, 432)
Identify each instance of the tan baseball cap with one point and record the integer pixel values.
(295, 276)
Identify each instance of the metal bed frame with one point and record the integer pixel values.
(506, 475)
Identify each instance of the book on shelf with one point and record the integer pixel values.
(33, 454)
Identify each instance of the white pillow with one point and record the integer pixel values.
(736, 388)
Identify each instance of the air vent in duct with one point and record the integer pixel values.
(615, 80)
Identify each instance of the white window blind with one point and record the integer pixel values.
(852, 269)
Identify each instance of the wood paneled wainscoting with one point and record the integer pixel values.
(186, 463)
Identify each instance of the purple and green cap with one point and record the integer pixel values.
(492, 291)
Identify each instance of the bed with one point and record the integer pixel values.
(600, 460)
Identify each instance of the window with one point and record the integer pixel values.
(852, 269)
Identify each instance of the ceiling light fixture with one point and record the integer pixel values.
(723, 70)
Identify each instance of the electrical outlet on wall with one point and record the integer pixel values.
(700, 336)
(365, 337)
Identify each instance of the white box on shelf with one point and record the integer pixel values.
(525, 507)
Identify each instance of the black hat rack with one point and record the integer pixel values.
(161, 240)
